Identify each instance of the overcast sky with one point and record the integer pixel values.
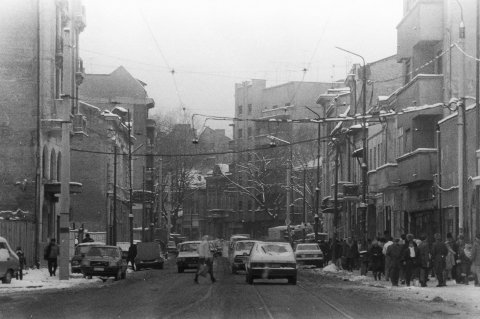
(213, 44)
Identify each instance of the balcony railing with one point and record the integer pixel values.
(383, 177)
(421, 90)
(417, 166)
(423, 24)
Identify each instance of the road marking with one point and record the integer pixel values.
(263, 303)
(196, 303)
(326, 302)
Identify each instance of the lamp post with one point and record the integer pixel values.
(364, 165)
(288, 220)
(317, 188)
(130, 177)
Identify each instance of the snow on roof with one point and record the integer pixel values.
(454, 114)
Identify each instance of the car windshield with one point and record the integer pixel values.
(308, 247)
(103, 252)
(274, 249)
(189, 247)
(82, 250)
(245, 245)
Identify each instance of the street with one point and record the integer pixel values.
(168, 294)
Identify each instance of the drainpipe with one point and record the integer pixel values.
(439, 178)
(38, 182)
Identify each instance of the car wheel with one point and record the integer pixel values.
(234, 269)
(180, 269)
(105, 279)
(292, 280)
(124, 274)
(249, 278)
(160, 266)
(8, 277)
(118, 276)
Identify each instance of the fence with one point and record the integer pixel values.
(20, 233)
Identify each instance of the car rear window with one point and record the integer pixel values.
(103, 252)
(274, 249)
(244, 246)
(308, 247)
(189, 247)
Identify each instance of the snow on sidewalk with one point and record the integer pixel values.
(453, 292)
(39, 279)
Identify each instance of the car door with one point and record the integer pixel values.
(4, 258)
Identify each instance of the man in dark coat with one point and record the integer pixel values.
(132, 253)
(87, 239)
(439, 252)
(425, 260)
(411, 260)
(349, 252)
(51, 253)
(394, 252)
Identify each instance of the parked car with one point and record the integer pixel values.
(309, 254)
(149, 255)
(9, 262)
(104, 261)
(240, 254)
(187, 255)
(271, 260)
(172, 247)
(80, 251)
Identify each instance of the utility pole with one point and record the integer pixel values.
(114, 222)
(461, 130)
(477, 118)
(143, 205)
(169, 204)
(363, 204)
(130, 177)
(304, 204)
(335, 202)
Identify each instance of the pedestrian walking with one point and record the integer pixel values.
(464, 264)
(205, 258)
(132, 253)
(411, 260)
(394, 252)
(22, 261)
(376, 260)
(476, 260)
(387, 258)
(439, 253)
(450, 259)
(51, 253)
(425, 260)
(349, 252)
(460, 243)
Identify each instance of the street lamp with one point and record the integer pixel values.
(289, 183)
(317, 188)
(364, 165)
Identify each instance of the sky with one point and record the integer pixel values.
(192, 52)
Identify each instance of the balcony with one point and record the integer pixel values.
(79, 124)
(422, 25)
(383, 177)
(423, 89)
(417, 167)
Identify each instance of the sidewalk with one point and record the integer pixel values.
(452, 293)
(39, 279)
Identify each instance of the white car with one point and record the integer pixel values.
(240, 254)
(309, 254)
(187, 257)
(271, 260)
(9, 262)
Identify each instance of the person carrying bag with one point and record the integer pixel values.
(205, 260)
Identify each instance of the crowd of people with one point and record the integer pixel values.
(406, 259)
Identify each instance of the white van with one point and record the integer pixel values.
(9, 262)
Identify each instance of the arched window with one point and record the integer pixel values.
(59, 166)
(53, 166)
(45, 162)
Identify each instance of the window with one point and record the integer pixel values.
(240, 205)
(240, 109)
(249, 108)
(240, 133)
(249, 205)
(249, 132)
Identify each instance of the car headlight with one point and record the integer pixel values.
(112, 263)
(180, 259)
(75, 263)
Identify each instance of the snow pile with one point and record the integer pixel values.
(39, 279)
(330, 268)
